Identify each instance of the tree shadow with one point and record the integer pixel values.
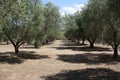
(3, 44)
(86, 74)
(10, 58)
(74, 44)
(27, 47)
(75, 48)
(89, 58)
(30, 55)
(32, 47)
(70, 43)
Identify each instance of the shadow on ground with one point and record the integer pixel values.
(32, 47)
(86, 74)
(80, 47)
(74, 44)
(89, 58)
(100, 49)
(27, 47)
(69, 43)
(10, 58)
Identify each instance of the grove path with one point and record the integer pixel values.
(36, 69)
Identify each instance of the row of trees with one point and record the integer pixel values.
(28, 21)
(99, 21)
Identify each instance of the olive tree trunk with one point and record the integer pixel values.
(115, 54)
(91, 44)
(16, 49)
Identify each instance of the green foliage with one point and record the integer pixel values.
(37, 22)
(99, 20)
(71, 29)
(52, 21)
(112, 23)
(91, 20)
(27, 21)
(24, 21)
(18, 18)
(114, 6)
(16, 22)
(79, 23)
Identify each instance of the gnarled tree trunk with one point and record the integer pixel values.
(115, 54)
(36, 45)
(91, 44)
(16, 49)
(78, 41)
(83, 41)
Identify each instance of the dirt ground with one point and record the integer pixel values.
(60, 60)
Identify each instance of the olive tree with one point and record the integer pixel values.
(37, 22)
(71, 29)
(112, 23)
(81, 31)
(52, 21)
(91, 22)
(109, 19)
(16, 19)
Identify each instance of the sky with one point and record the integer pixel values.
(68, 6)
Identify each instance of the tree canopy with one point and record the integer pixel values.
(28, 21)
(98, 21)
